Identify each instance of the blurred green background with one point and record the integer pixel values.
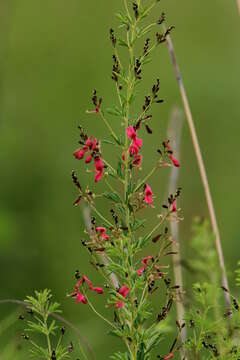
(52, 54)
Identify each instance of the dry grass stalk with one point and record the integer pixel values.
(201, 168)
(238, 5)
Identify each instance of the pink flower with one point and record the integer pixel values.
(124, 290)
(141, 270)
(174, 208)
(138, 142)
(174, 161)
(135, 146)
(98, 176)
(81, 298)
(86, 279)
(88, 159)
(169, 356)
(131, 133)
(79, 154)
(171, 157)
(99, 164)
(119, 304)
(148, 195)
(146, 259)
(145, 262)
(91, 143)
(102, 232)
(98, 290)
(101, 229)
(133, 149)
(137, 160)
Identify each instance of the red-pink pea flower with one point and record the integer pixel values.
(98, 176)
(136, 142)
(137, 160)
(131, 133)
(86, 279)
(99, 166)
(81, 298)
(133, 149)
(102, 232)
(119, 304)
(174, 208)
(148, 195)
(145, 262)
(172, 158)
(101, 229)
(124, 291)
(141, 270)
(135, 146)
(169, 356)
(79, 154)
(92, 143)
(146, 259)
(98, 290)
(174, 161)
(88, 159)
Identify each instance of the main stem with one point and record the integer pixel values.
(47, 336)
(131, 33)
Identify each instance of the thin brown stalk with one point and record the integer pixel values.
(174, 135)
(238, 5)
(201, 168)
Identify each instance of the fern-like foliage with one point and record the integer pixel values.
(213, 330)
(41, 308)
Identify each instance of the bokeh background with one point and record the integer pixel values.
(52, 54)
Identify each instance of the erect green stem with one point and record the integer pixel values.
(109, 185)
(98, 314)
(126, 7)
(145, 179)
(149, 51)
(47, 335)
(157, 226)
(113, 170)
(108, 126)
(100, 215)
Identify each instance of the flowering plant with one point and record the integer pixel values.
(118, 243)
(115, 245)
